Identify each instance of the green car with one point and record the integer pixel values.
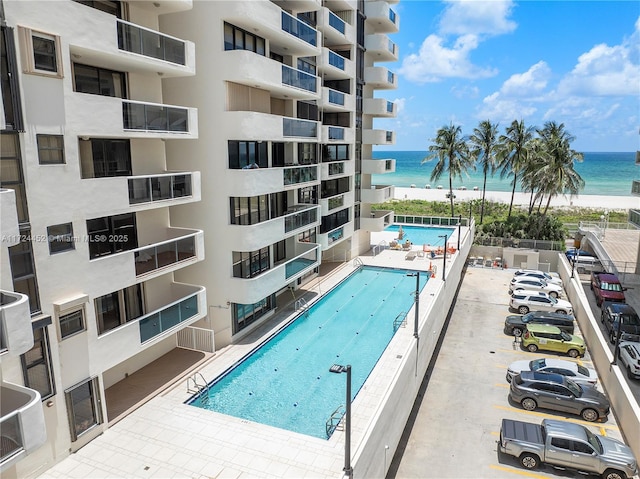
(551, 338)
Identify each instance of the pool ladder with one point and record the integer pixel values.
(401, 320)
(199, 388)
(357, 262)
(302, 304)
(334, 421)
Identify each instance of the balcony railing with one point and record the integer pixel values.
(391, 77)
(299, 29)
(336, 202)
(634, 217)
(336, 22)
(335, 235)
(148, 189)
(336, 97)
(389, 107)
(336, 168)
(299, 128)
(135, 39)
(635, 187)
(299, 79)
(154, 117)
(164, 254)
(300, 219)
(392, 47)
(296, 175)
(336, 133)
(300, 263)
(336, 60)
(392, 16)
(165, 318)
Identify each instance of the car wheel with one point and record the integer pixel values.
(532, 348)
(612, 338)
(517, 332)
(529, 404)
(602, 318)
(630, 374)
(574, 353)
(553, 294)
(591, 286)
(523, 310)
(589, 415)
(613, 474)
(531, 461)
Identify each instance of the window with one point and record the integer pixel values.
(60, 238)
(334, 220)
(36, 363)
(335, 152)
(120, 307)
(50, 149)
(307, 153)
(104, 158)
(247, 154)
(41, 52)
(99, 81)
(9, 84)
(23, 270)
(249, 211)
(11, 172)
(582, 447)
(84, 407)
(71, 323)
(112, 234)
(238, 39)
(245, 314)
(561, 443)
(108, 6)
(250, 264)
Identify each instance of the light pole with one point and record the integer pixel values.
(459, 226)
(416, 301)
(444, 256)
(573, 262)
(337, 368)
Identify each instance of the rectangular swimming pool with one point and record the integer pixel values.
(286, 382)
(421, 235)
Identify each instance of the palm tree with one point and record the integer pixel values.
(484, 146)
(513, 153)
(451, 150)
(559, 175)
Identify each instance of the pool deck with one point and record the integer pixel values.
(165, 438)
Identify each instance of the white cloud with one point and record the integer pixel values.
(504, 110)
(477, 17)
(465, 91)
(435, 61)
(534, 80)
(400, 103)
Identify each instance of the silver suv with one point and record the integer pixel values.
(525, 301)
(629, 355)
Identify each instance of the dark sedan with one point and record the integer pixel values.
(515, 325)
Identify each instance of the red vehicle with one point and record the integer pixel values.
(606, 287)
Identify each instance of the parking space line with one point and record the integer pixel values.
(502, 385)
(552, 416)
(517, 471)
(603, 431)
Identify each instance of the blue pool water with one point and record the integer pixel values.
(420, 235)
(286, 382)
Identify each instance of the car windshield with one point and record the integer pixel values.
(537, 364)
(553, 300)
(594, 441)
(584, 371)
(546, 276)
(611, 287)
(574, 388)
(629, 320)
(543, 283)
(565, 336)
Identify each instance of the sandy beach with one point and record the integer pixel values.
(582, 201)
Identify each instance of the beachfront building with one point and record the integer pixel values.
(144, 199)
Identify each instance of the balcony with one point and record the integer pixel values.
(334, 100)
(295, 175)
(162, 7)
(335, 236)
(337, 134)
(378, 137)
(380, 107)
(304, 258)
(299, 29)
(162, 188)
(380, 78)
(300, 5)
(331, 205)
(381, 18)
(295, 128)
(635, 188)
(103, 116)
(333, 66)
(634, 217)
(332, 169)
(335, 31)
(126, 46)
(22, 425)
(377, 194)
(378, 167)
(16, 334)
(248, 68)
(171, 253)
(9, 214)
(377, 220)
(381, 48)
(251, 125)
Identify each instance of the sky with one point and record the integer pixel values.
(464, 61)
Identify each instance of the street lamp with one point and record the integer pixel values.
(444, 256)
(459, 225)
(416, 300)
(573, 262)
(337, 368)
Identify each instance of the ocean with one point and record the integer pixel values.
(607, 174)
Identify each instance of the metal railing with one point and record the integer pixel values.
(300, 219)
(431, 220)
(519, 243)
(382, 245)
(400, 321)
(164, 254)
(154, 117)
(197, 339)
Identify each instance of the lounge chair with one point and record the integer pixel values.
(411, 255)
(406, 246)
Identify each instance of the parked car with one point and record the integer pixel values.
(567, 445)
(615, 314)
(532, 284)
(572, 253)
(515, 324)
(550, 338)
(586, 263)
(535, 273)
(569, 369)
(534, 389)
(629, 354)
(526, 300)
(606, 287)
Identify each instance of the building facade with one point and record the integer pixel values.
(169, 167)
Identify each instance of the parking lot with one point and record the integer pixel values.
(455, 430)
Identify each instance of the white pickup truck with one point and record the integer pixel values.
(566, 445)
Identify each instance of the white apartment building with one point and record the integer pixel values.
(171, 169)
